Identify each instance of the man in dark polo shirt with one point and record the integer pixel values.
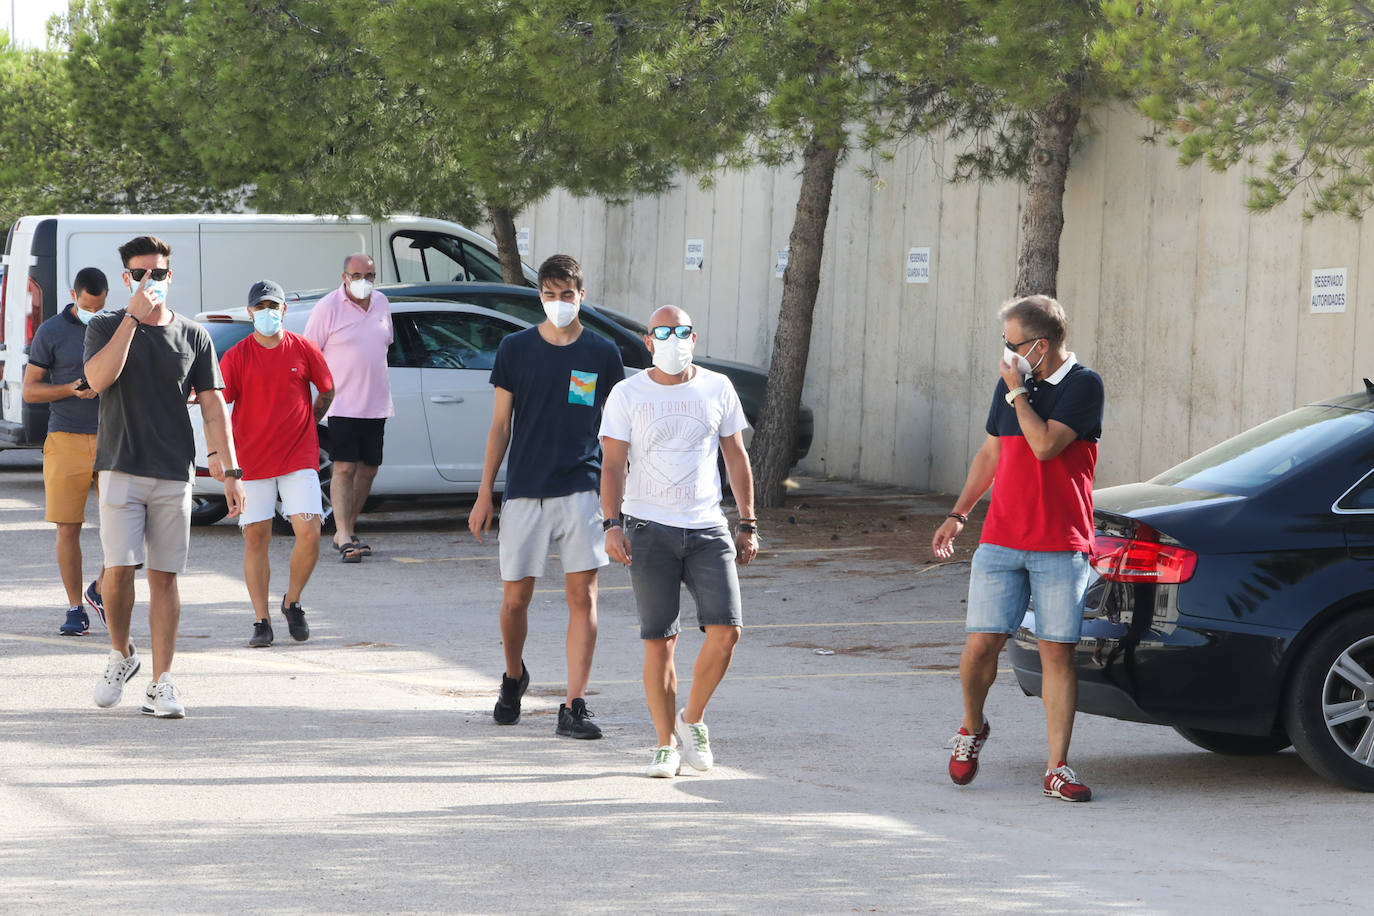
(1041, 450)
(56, 376)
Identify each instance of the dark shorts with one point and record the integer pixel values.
(356, 439)
(664, 558)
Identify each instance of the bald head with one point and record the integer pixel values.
(669, 315)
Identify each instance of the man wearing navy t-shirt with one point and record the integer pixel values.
(1041, 450)
(551, 383)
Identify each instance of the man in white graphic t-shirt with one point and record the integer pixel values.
(664, 521)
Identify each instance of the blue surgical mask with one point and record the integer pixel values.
(82, 315)
(267, 322)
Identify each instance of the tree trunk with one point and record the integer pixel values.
(774, 441)
(503, 227)
(1037, 268)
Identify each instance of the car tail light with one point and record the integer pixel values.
(1140, 559)
(35, 317)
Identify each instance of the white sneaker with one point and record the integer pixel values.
(160, 699)
(667, 762)
(695, 743)
(109, 690)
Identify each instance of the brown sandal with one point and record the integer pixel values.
(348, 553)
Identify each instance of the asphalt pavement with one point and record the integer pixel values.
(361, 772)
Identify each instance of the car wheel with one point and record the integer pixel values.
(1236, 745)
(206, 510)
(1329, 708)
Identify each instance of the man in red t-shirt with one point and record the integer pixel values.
(1041, 449)
(267, 377)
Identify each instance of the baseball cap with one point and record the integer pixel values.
(265, 289)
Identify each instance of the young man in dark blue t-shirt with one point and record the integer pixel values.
(551, 382)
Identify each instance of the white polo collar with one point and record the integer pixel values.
(1061, 371)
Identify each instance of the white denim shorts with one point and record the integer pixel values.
(299, 491)
(529, 527)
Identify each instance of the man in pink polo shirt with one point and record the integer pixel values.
(352, 327)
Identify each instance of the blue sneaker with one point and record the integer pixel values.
(78, 624)
(97, 605)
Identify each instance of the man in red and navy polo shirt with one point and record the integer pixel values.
(1041, 449)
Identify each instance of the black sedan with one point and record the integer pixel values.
(1235, 595)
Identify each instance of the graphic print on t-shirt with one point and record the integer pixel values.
(582, 388)
(676, 435)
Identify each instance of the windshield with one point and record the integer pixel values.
(1259, 457)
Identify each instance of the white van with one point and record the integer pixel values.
(215, 258)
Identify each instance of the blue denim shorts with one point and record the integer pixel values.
(1003, 581)
(664, 558)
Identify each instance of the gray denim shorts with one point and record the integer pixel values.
(664, 558)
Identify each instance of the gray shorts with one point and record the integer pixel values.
(145, 520)
(664, 558)
(530, 526)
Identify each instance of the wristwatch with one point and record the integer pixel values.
(610, 523)
(1016, 393)
(236, 473)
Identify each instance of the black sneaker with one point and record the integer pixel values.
(576, 722)
(507, 711)
(295, 620)
(262, 634)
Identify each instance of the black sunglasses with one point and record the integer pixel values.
(159, 273)
(1015, 347)
(683, 331)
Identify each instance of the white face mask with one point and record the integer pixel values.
(672, 356)
(1015, 360)
(360, 288)
(561, 313)
(1011, 358)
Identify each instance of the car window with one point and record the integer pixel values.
(424, 257)
(1269, 452)
(482, 265)
(453, 340)
(1360, 498)
(433, 257)
(224, 334)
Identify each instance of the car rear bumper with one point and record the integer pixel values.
(1187, 672)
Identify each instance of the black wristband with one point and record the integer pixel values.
(963, 519)
(610, 523)
(746, 527)
(212, 454)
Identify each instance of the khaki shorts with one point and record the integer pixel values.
(138, 513)
(530, 526)
(68, 472)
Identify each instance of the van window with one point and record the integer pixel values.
(433, 257)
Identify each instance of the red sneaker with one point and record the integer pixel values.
(1062, 782)
(963, 763)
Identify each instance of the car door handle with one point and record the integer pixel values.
(447, 399)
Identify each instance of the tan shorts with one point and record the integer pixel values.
(145, 512)
(68, 472)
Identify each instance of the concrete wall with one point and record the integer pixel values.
(1194, 311)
